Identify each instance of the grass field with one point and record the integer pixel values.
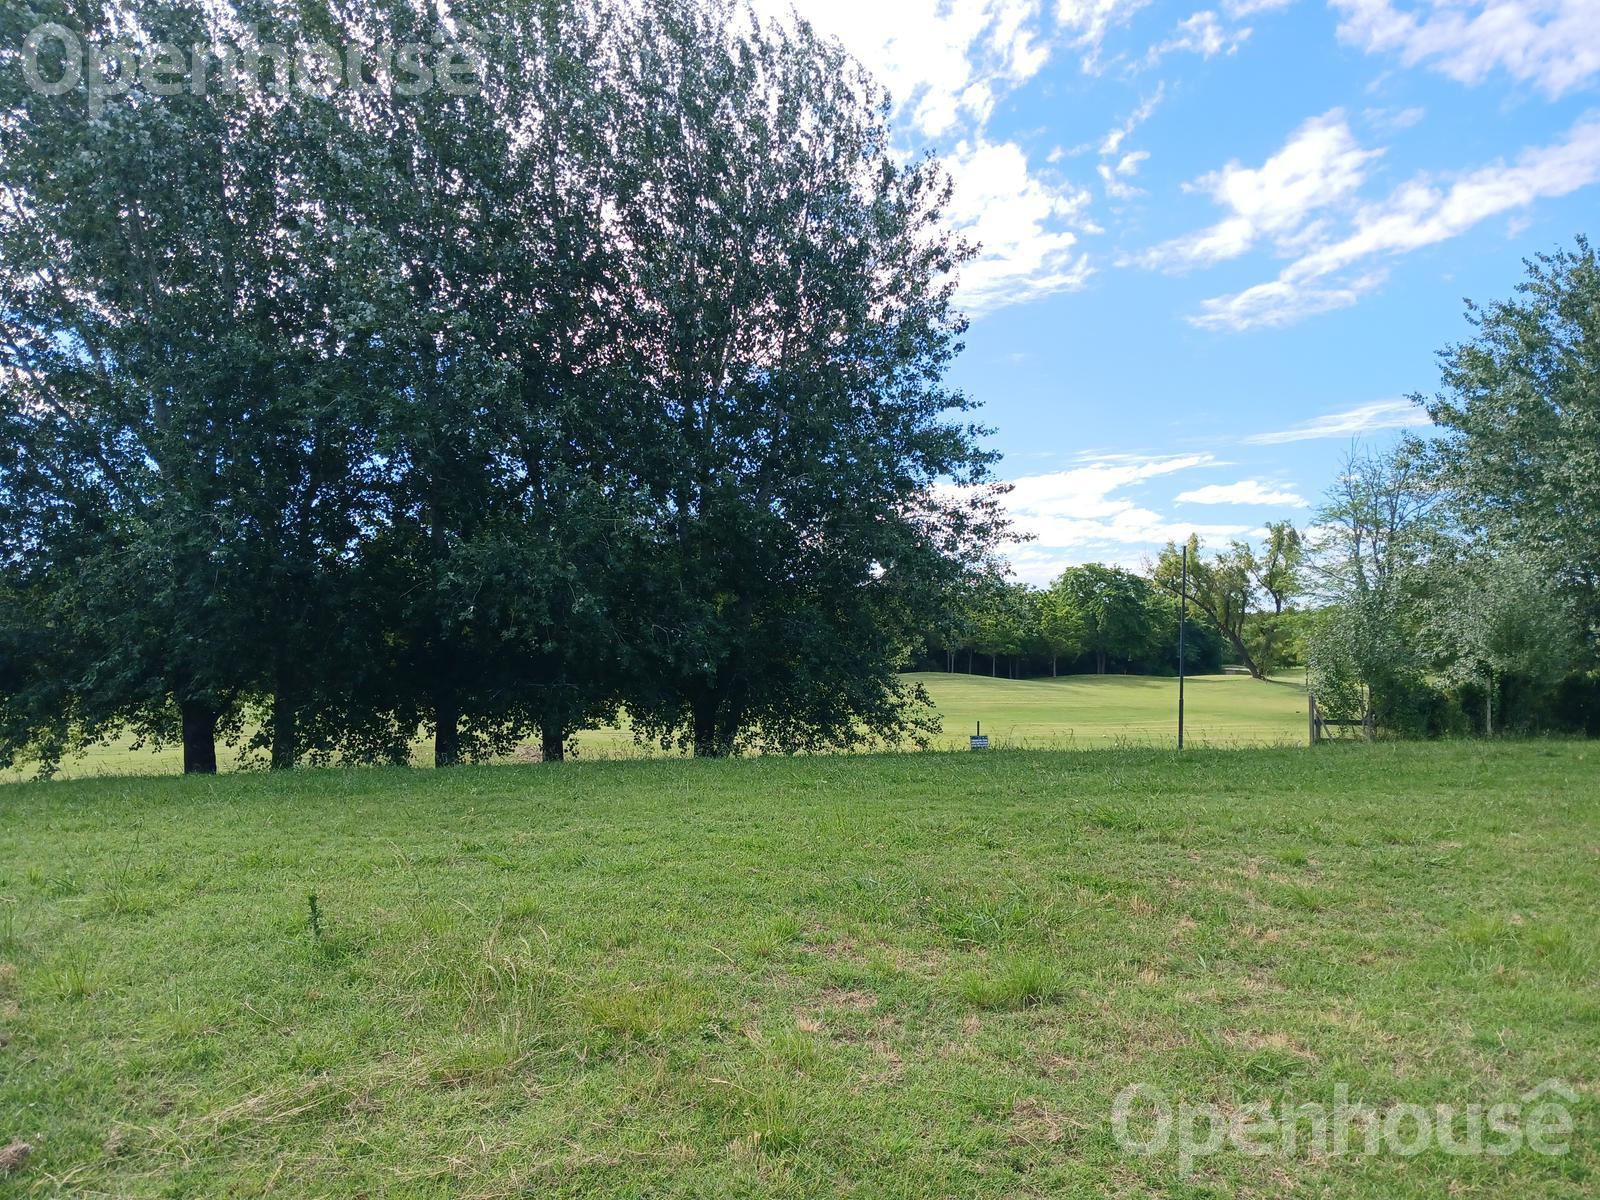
(895, 976)
(1075, 711)
(1103, 710)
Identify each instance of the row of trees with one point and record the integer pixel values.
(1098, 618)
(1458, 579)
(326, 416)
(1093, 618)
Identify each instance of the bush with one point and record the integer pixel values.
(1575, 705)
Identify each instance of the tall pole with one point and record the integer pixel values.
(1183, 631)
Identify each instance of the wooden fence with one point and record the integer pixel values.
(1321, 725)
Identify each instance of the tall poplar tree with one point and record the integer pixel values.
(789, 289)
(175, 426)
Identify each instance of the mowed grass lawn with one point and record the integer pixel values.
(1074, 711)
(896, 976)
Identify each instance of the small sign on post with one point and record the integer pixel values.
(979, 742)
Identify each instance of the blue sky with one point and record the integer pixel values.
(1221, 240)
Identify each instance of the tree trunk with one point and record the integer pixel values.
(199, 738)
(552, 742)
(1099, 662)
(285, 749)
(1244, 656)
(446, 705)
(704, 710)
(994, 666)
(446, 734)
(285, 743)
(1053, 672)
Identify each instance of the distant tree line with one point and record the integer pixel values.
(1095, 619)
(1457, 579)
(331, 415)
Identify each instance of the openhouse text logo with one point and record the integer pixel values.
(1146, 1122)
(56, 61)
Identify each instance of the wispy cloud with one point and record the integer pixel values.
(1393, 120)
(1086, 23)
(1365, 418)
(1418, 213)
(1280, 302)
(948, 64)
(1116, 168)
(1246, 491)
(1552, 44)
(1203, 34)
(1319, 165)
(1248, 8)
(1113, 140)
(1115, 174)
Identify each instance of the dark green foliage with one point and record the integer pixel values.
(1576, 704)
(793, 326)
(327, 417)
(183, 466)
(1460, 576)
(1521, 412)
(1113, 607)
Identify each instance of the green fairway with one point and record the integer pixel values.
(1074, 711)
(895, 976)
(1102, 710)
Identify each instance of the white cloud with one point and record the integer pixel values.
(1320, 165)
(1081, 515)
(1278, 303)
(1025, 226)
(1553, 44)
(1113, 140)
(1114, 175)
(1202, 34)
(1246, 491)
(1419, 213)
(1366, 418)
(944, 61)
(948, 63)
(1087, 22)
(1392, 120)
(1115, 171)
(1248, 8)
